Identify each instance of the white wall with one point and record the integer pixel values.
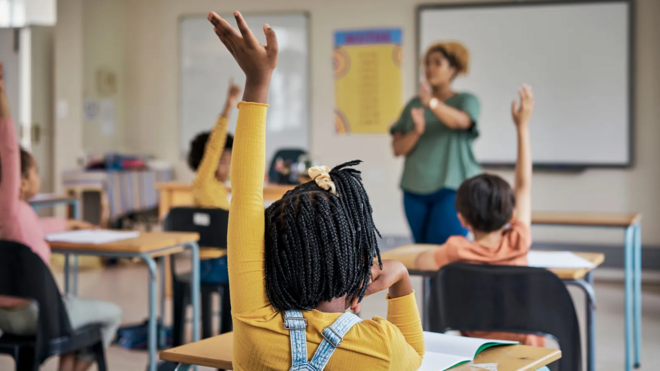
(103, 48)
(151, 52)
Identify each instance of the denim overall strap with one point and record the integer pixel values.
(332, 338)
(296, 324)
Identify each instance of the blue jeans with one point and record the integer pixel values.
(432, 218)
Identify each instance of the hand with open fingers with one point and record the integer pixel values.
(418, 119)
(256, 60)
(522, 112)
(233, 92)
(394, 276)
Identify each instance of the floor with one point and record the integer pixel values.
(127, 286)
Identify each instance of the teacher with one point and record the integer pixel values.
(435, 133)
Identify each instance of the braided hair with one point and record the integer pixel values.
(320, 246)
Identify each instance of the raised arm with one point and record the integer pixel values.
(10, 157)
(205, 176)
(521, 114)
(246, 219)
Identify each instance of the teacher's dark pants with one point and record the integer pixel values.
(432, 218)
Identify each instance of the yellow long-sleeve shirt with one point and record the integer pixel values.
(260, 340)
(206, 189)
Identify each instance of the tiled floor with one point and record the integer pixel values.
(127, 286)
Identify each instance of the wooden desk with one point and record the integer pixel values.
(631, 223)
(585, 219)
(173, 194)
(408, 255)
(216, 352)
(147, 246)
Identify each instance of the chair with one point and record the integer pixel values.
(286, 154)
(508, 299)
(211, 224)
(25, 276)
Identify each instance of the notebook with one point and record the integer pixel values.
(446, 351)
(557, 259)
(91, 236)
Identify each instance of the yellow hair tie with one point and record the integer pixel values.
(321, 175)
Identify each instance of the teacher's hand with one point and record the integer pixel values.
(425, 93)
(419, 120)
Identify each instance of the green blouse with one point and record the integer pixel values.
(443, 157)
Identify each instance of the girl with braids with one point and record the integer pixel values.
(296, 269)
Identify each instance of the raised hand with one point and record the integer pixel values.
(522, 112)
(4, 104)
(418, 119)
(257, 61)
(233, 92)
(425, 93)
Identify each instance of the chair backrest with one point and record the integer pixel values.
(211, 224)
(286, 154)
(527, 300)
(24, 274)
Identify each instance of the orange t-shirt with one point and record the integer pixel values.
(512, 250)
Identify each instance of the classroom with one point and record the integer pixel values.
(413, 185)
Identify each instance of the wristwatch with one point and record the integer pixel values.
(434, 102)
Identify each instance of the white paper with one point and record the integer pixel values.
(444, 351)
(107, 112)
(91, 110)
(557, 259)
(94, 237)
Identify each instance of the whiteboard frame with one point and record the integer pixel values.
(631, 73)
(184, 154)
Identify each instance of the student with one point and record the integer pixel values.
(297, 268)
(19, 182)
(498, 216)
(210, 157)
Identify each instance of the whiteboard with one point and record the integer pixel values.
(577, 58)
(206, 67)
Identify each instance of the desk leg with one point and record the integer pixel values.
(162, 341)
(66, 273)
(75, 215)
(182, 367)
(151, 338)
(75, 275)
(628, 272)
(195, 287)
(637, 292)
(426, 298)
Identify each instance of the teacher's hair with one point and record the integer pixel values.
(456, 53)
(320, 246)
(486, 202)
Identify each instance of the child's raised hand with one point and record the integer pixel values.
(521, 114)
(233, 92)
(418, 119)
(256, 60)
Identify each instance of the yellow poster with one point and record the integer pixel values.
(367, 71)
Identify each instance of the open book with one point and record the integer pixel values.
(446, 351)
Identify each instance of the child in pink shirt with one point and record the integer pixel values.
(499, 217)
(19, 182)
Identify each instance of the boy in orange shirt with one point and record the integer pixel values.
(499, 217)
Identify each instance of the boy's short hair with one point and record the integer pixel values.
(198, 147)
(486, 202)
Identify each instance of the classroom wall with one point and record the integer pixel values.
(103, 49)
(152, 125)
